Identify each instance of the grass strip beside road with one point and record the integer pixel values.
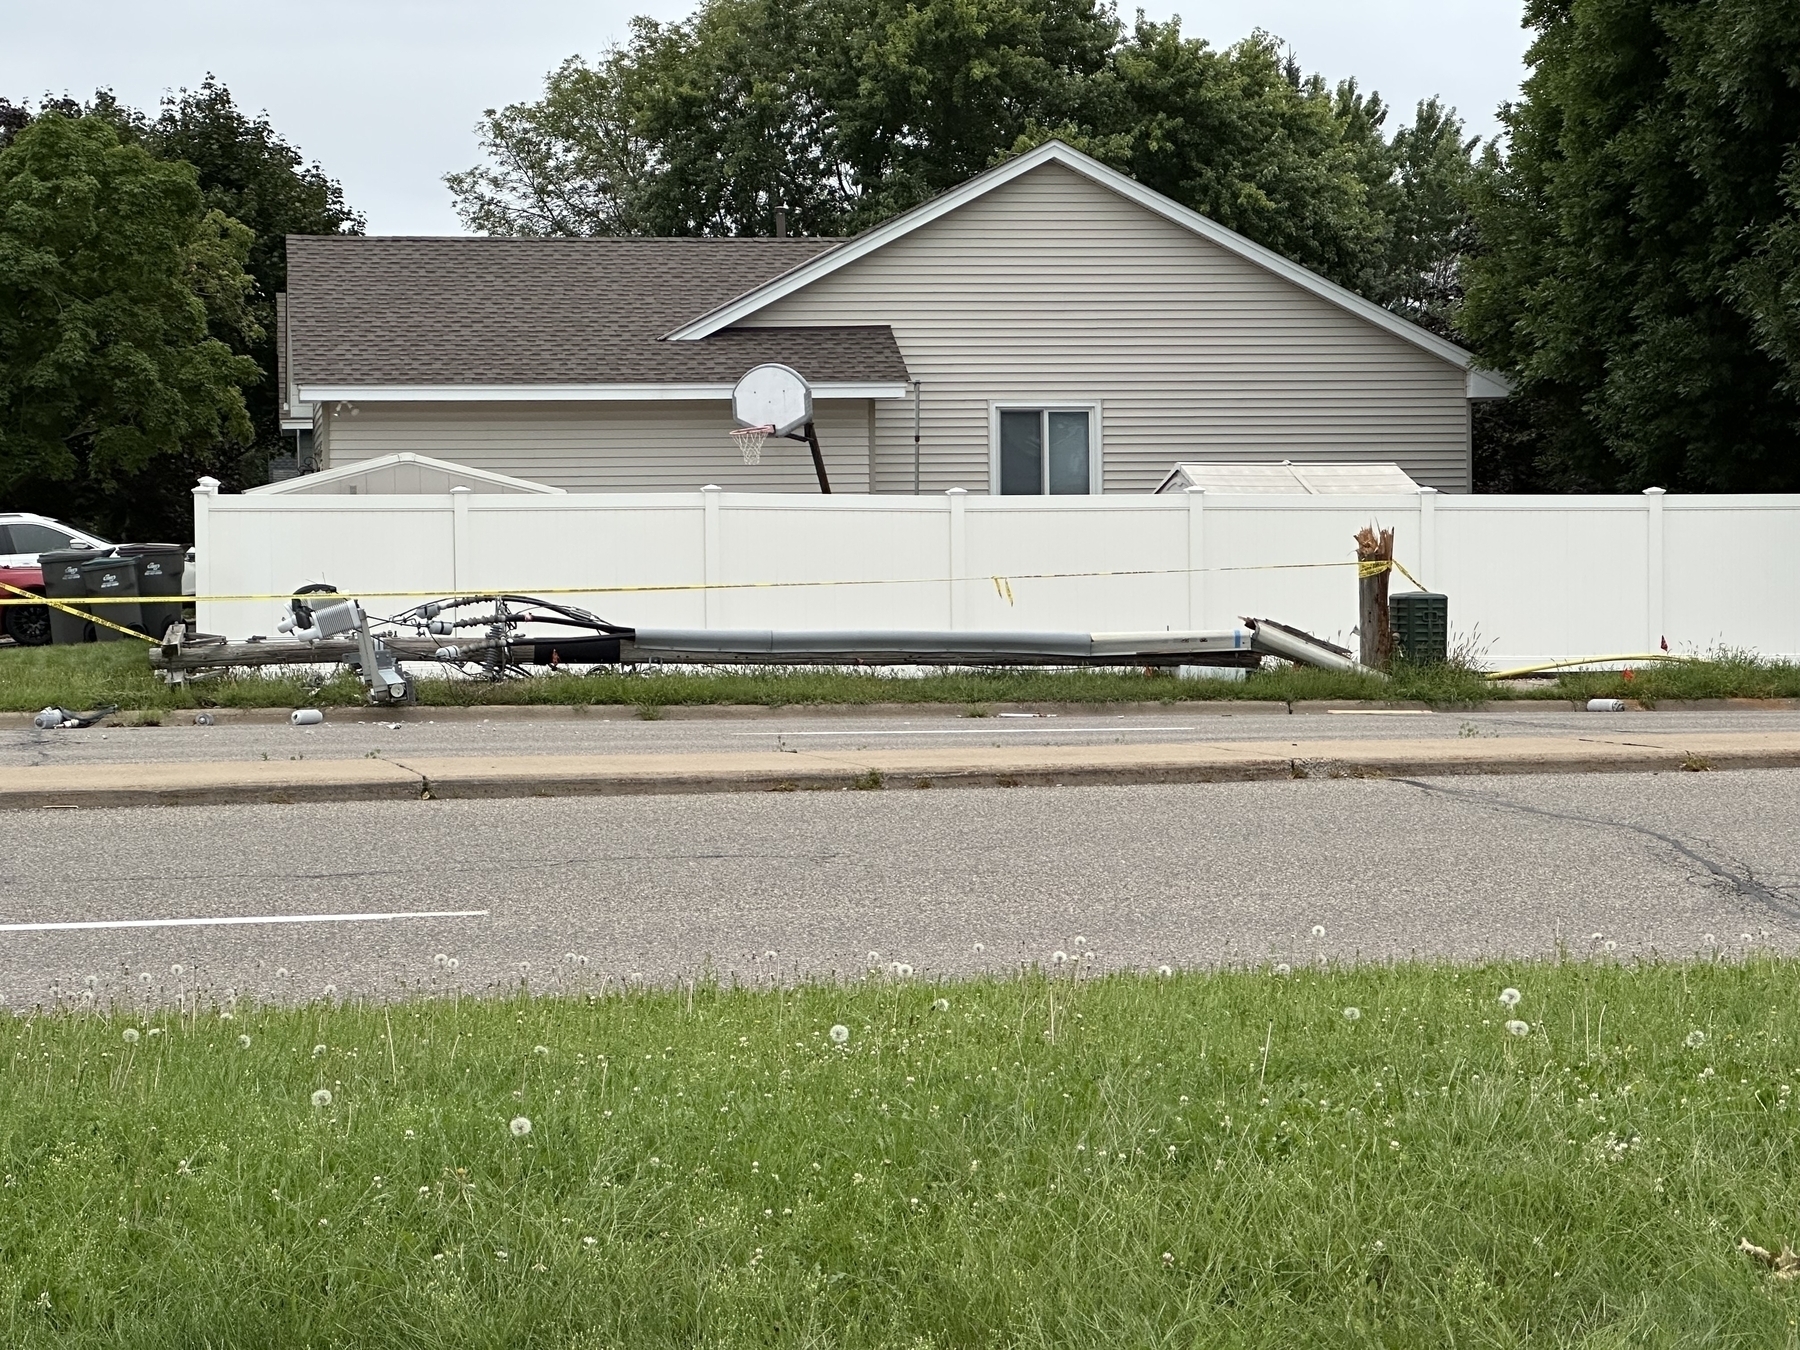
(116, 672)
(1225, 1159)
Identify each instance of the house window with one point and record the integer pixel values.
(1046, 450)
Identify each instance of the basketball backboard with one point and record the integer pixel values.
(774, 396)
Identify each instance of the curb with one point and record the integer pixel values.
(546, 712)
(487, 778)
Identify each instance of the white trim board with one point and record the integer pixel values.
(563, 393)
(1058, 153)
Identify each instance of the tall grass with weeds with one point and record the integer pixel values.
(1362, 1157)
(117, 672)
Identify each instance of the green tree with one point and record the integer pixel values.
(1638, 271)
(122, 297)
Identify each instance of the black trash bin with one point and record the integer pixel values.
(109, 579)
(62, 581)
(159, 568)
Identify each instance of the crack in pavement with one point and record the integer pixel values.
(1732, 875)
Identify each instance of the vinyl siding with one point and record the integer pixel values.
(1054, 289)
(606, 447)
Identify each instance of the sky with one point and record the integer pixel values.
(385, 94)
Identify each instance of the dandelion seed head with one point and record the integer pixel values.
(177, 970)
(840, 1034)
(281, 972)
(243, 1042)
(452, 964)
(940, 1005)
(1165, 971)
(1517, 1028)
(1352, 1014)
(979, 948)
(1510, 997)
(144, 979)
(1318, 930)
(131, 1035)
(1609, 945)
(154, 1031)
(769, 955)
(1695, 1039)
(318, 1050)
(541, 1051)
(225, 1015)
(1081, 942)
(330, 991)
(1283, 969)
(322, 1098)
(1058, 957)
(521, 1126)
(874, 959)
(440, 959)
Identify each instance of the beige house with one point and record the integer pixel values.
(1051, 325)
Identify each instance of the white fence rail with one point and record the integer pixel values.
(1531, 578)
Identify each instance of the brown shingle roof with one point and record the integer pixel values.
(383, 311)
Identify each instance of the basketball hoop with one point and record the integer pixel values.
(750, 441)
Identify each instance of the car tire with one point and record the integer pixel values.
(28, 625)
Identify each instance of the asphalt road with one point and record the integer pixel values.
(621, 731)
(761, 887)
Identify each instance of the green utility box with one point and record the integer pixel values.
(1421, 621)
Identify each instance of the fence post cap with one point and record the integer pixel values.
(956, 492)
(1656, 492)
(208, 486)
(1428, 491)
(462, 489)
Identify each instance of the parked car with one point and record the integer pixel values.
(22, 537)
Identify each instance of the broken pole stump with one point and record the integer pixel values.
(1374, 545)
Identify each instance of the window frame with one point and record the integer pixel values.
(1092, 407)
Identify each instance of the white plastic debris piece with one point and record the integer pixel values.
(307, 717)
(1606, 705)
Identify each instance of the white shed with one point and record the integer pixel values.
(1312, 480)
(400, 473)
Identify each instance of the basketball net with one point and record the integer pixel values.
(750, 441)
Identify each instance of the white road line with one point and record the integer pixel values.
(247, 919)
(969, 731)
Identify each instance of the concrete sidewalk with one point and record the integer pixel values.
(476, 776)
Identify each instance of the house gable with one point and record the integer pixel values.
(1053, 288)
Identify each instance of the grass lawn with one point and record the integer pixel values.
(116, 672)
(1206, 1160)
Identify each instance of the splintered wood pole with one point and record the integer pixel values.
(1377, 629)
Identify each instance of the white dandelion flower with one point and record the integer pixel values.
(1510, 997)
(144, 979)
(318, 1050)
(440, 960)
(1352, 1014)
(1318, 930)
(542, 1051)
(243, 1042)
(322, 1098)
(521, 1126)
(1283, 969)
(902, 970)
(589, 1241)
(874, 959)
(1081, 942)
(1515, 1027)
(1057, 958)
(1695, 1039)
(940, 1005)
(177, 970)
(452, 964)
(1165, 971)
(131, 1035)
(840, 1034)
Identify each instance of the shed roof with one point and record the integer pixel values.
(399, 311)
(1287, 477)
(401, 473)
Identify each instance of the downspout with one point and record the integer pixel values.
(917, 385)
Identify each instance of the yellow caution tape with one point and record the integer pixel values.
(1001, 583)
(1374, 567)
(32, 599)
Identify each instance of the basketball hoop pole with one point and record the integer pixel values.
(812, 443)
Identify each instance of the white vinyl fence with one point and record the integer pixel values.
(1529, 578)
